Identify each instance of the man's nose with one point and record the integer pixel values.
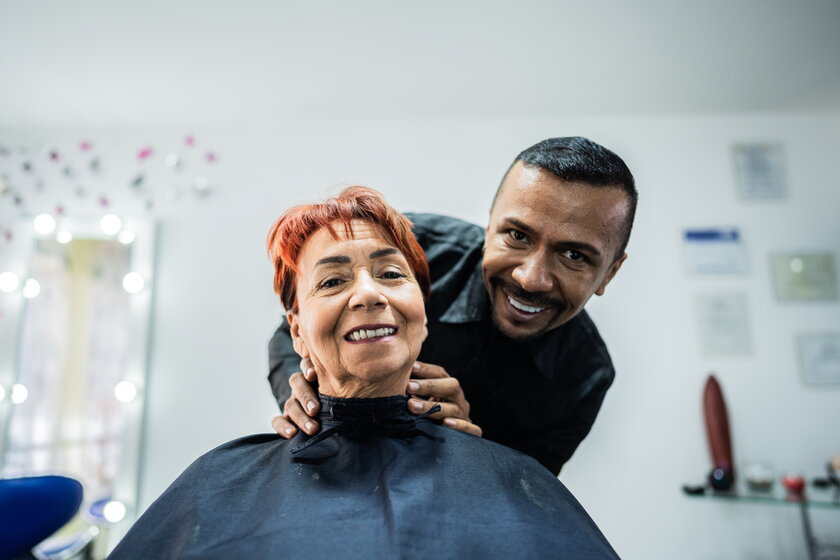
(533, 275)
(366, 293)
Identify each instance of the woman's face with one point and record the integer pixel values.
(361, 318)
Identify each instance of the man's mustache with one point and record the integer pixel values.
(528, 298)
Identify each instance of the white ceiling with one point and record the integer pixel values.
(103, 62)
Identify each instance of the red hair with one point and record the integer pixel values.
(288, 235)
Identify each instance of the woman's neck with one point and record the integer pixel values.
(350, 386)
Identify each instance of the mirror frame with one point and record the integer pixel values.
(17, 259)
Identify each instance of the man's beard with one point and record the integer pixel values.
(552, 305)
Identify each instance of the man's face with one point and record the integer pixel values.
(549, 246)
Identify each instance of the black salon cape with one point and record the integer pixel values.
(381, 484)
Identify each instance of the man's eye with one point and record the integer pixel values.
(574, 255)
(517, 235)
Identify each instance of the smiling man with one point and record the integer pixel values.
(510, 347)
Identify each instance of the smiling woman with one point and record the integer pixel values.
(362, 313)
(376, 482)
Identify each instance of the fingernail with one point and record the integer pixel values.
(310, 406)
(309, 425)
(416, 366)
(310, 372)
(416, 405)
(288, 431)
(413, 386)
(449, 422)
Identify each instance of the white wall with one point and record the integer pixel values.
(214, 309)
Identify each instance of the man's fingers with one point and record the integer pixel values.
(302, 392)
(424, 370)
(308, 370)
(420, 406)
(294, 413)
(440, 388)
(283, 427)
(462, 426)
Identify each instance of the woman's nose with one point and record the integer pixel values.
(366, 293)
(533, 275)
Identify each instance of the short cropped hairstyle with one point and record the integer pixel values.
(288, 235)
(580, 160)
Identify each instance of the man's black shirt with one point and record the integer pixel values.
(540, 396)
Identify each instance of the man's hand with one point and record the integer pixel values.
(302, 407)
(435, 386)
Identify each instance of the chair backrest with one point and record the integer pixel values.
(33, 508)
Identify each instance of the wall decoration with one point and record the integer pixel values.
(804, 276)
(714, 251)
(724, 324)
(819, 357)
(85, 177)
(760, 171)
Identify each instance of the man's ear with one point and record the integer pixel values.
(610, 274)
(297, 340)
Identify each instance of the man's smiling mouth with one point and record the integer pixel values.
(524, 307)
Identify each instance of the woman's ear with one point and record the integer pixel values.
(297, 340)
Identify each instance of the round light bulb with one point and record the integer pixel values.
(125, 391)
(64, 237)
(113, 511)
(110, 224)
(19, 393)
(126, 237)
(44, 224)
(31, 288)
(9, 282)
(133, 282)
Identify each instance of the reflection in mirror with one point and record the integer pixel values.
(72, 354)
(80, 364)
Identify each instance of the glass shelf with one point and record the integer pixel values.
(827, 498)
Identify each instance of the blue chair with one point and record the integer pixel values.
(33, 508)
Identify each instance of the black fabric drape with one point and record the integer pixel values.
(381, 484)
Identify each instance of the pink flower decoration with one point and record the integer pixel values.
(85, 146)
(54, 155)
(145, 153)
(189, 140)
(211, 156)
(59, 210)
(103, 202)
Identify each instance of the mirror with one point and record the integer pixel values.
(74, 402)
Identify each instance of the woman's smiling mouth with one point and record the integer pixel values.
(370, 333)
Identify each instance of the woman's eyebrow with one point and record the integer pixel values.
(379, 253)
(339, 259)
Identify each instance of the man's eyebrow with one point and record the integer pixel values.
(576, 245)
(340, 259)
(379, 253)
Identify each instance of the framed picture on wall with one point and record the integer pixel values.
(819, 357)
(804, 276)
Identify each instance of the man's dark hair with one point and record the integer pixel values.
(580, 160)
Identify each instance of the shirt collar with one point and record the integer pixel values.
(472, 303)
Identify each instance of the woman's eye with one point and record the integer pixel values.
(392, 275)
(330, 283)
(517, 235)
